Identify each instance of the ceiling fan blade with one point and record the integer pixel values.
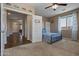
(48, 6)
(63, 4)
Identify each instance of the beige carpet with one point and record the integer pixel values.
(60, 48)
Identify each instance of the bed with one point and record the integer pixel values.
(51, 37)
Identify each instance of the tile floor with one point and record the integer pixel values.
(64, 47)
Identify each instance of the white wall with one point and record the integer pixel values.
(28, 27)
(15, 27)
(3, 29)
(46, 23)
(4, 25)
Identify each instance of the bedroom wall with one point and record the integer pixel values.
(54, 23)
(44, 19)
(48, 26)
(46, 23)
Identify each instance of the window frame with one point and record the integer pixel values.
(66, 27)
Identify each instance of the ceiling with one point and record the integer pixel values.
(15, 16)
(40, 9)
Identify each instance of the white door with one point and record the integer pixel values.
(36, 28)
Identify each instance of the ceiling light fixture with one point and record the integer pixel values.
(9, 13)
(55, 6)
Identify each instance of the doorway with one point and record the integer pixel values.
(16, 29)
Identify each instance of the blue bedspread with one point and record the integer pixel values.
(52, 37)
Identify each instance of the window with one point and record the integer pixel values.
(68, 22)
(65, 22)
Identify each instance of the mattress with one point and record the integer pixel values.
(52, 37)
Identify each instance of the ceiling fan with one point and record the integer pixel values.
(55, 5)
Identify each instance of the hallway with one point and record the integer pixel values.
(14, 40)
(16, 29)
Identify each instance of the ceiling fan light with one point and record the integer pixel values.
(55, 6)
(9, 13)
